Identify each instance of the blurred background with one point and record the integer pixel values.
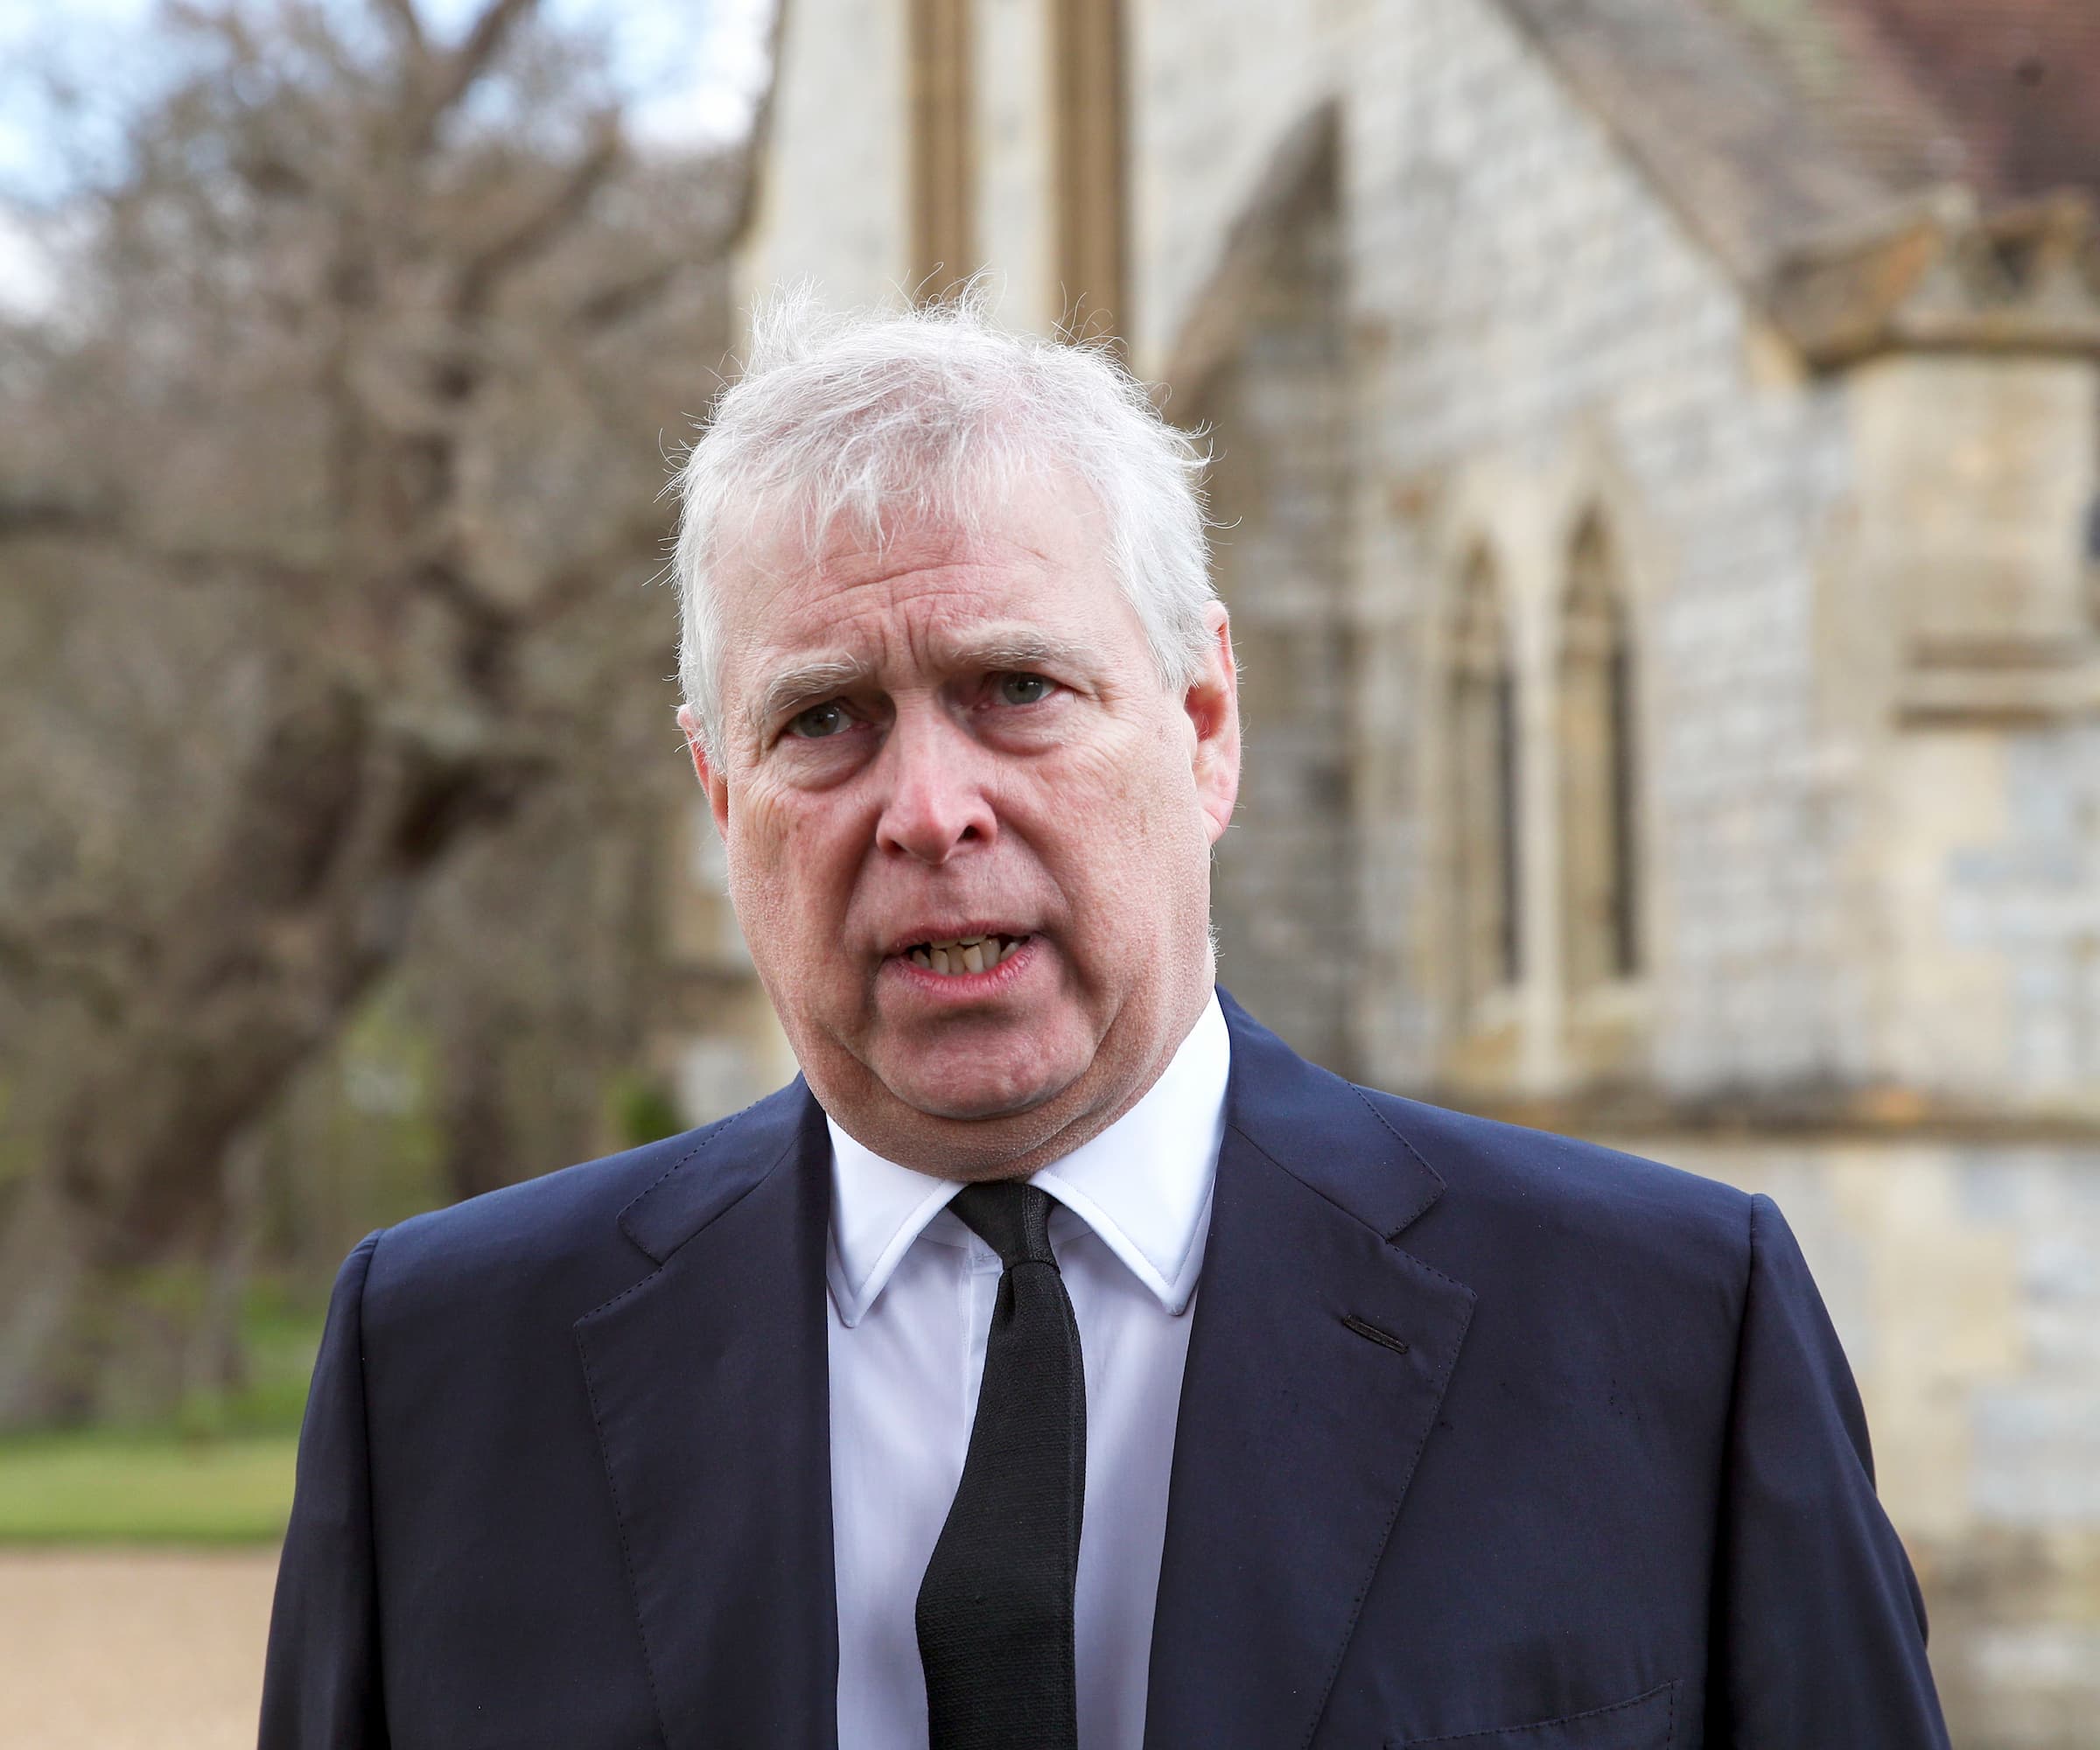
(1658, 463)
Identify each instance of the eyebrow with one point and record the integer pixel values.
(1023, 647)
(995, 652)
(806, 681)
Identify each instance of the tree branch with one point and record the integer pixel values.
(458, 71)
(205, 563)
(538, 227)
(401, 14)
(96, 958)
(609, 305)
(31, 517)
(568, 585)
(35, 516)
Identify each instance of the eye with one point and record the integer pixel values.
(1024, 689)
(820, 721)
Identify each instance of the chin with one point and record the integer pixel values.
(973, 1090)
(971, 1101)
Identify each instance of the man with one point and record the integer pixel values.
(1060, 1360)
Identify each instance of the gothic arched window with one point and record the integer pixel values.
(1486, 937)
(1598, 759)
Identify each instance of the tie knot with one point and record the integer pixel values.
(1010, 1216)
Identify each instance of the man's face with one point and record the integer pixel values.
(968, 828)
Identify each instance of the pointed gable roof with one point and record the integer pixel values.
(2009, 86)
(1876, 173)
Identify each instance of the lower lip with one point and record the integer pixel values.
(964, 986)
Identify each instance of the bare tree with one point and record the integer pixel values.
(326, 506)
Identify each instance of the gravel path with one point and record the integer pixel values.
(130, 1649)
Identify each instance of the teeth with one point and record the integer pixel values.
(963, 953)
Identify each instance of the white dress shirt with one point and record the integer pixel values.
(911, 1302)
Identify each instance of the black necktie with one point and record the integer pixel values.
(995, 1609)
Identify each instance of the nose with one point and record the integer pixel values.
(937, 801)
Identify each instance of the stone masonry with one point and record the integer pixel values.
(1449, 281)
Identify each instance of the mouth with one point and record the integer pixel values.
(958, 956)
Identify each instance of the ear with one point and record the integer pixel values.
(709, 776)
(1213, 705)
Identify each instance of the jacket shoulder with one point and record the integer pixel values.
(1574, 1199)
(1447, 1180)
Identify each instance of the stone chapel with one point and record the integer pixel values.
(1658, 464)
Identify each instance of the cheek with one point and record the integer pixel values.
(1120, 823)
(791, 860)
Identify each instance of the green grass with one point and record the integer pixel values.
(219, 1474)
(98, 1487)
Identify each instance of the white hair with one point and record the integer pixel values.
(933, 412)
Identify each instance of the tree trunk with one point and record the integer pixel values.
(113, 1262)
(85, 1337)
(480, 1146)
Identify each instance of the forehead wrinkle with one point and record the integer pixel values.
(918, 596)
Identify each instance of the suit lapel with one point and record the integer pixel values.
(1318, 1359)
(709, 1382)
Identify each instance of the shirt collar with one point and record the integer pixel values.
(1143, 1185)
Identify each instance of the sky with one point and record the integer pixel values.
(694, 71)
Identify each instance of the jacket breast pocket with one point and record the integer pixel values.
(1645, 1722)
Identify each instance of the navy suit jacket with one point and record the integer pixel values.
(1488, 1439)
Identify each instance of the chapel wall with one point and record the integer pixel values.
(832, 195)
(1992, 925)
(1538, 336)
(1213, 88)
(1277, 410)
(1963, 670)
(1016, 164)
